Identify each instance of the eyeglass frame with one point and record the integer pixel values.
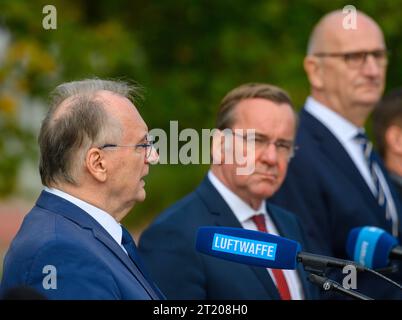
(347, 56)
(267, 142)
(149, 144)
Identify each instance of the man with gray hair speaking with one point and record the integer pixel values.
(94, 153)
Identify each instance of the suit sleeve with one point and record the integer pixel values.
(66, 270)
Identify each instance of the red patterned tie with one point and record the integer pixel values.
(280, 279)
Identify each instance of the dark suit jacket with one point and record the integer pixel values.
(325, 189)
(89, 263)
(168, 248)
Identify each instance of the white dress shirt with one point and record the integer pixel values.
(102, 217)
(244, 214)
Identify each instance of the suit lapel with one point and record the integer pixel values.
(335, 153)
(130, 264)
(223, 216)
(72, 212)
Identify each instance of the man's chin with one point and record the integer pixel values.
(141, 195)
(369, 97)
(265, 192)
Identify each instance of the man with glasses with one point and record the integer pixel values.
(336, 182)
(256, 122)
(94, 154)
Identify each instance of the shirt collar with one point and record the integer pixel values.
(239, 207)
(102, 217)
(341, 128)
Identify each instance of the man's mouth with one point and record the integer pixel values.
(267, 175)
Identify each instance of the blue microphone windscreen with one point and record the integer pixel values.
(370, 246)
(351, 242)
(248, 247)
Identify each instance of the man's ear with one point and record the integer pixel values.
(313, 68)
(218, 147)
(393, 139)
(96, 164)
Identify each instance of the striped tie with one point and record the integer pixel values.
(386, 204)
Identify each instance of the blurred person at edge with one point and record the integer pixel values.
(387, 128)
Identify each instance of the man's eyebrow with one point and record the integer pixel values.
(260, 135)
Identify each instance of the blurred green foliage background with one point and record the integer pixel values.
(186, 54)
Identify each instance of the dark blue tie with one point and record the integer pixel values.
(379, 192)
(367, 148)
(128, 243)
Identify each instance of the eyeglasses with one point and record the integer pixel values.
(356, 59)
(148, 145)
(285, 148)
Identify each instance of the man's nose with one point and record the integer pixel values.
(269, 154)
(153, 157)
(371, 66)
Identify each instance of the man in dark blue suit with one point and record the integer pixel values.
(94, 153)
(335, 182)
(232, 194)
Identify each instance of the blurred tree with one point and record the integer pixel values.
(187, 55)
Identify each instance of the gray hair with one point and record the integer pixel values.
(66, 135)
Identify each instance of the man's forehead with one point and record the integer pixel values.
(265, 117)
(114, 100)
(118, 106)
(248, 104)
(259, 107)
(125, 111)
(332, 34)
(360, 39)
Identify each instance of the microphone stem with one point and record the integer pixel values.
(351, 293)
(385, 278)
(396, 253)
(328, 284)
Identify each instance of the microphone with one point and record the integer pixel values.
(372, 247)
(262, 249)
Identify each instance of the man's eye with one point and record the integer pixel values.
(282, 145)
(355, 56)
(379, 54)
(259, 141)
